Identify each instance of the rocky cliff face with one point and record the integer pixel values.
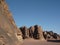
(9, 33)
(34, 32)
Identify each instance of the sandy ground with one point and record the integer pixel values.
(38, 42)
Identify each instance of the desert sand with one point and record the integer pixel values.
(38, 42)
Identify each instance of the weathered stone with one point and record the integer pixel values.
(25, 32)
(31, 31)
(9, 33)
(49, 35)
(34, 32)
(38, 33)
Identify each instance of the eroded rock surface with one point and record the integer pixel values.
(9, 33)
(25, 32)
(34, 32)
(38, 33)
(31, 32)
(50, 35)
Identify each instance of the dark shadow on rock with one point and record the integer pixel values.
(57, 41)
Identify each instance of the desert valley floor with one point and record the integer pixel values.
(38, 42)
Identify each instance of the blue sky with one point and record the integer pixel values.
(45, 13)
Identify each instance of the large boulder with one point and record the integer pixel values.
(9, 33)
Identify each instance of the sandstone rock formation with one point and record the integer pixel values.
(34, 32)
(31, 31)
(9, 33)
(25, 32)
(38, 32)
(49, 35)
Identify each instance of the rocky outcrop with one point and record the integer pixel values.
(34, 32)
(25, 32)
(31, 31)
(9, 33)
(38, 33)
(49, 35)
